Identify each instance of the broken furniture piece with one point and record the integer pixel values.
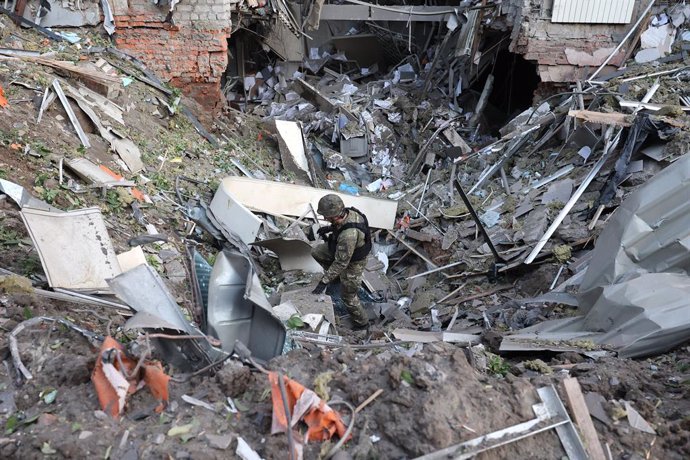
(293, 254)
(238, 309)
(74, 248)
(233, 217)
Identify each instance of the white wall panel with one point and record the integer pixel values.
(593, 11)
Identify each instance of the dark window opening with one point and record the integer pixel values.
(515, 82)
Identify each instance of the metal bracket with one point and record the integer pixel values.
(550, 414)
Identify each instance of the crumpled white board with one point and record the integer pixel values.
(74, 247)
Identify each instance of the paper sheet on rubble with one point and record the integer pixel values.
(294, 200)
(293, 254)
(74, 247)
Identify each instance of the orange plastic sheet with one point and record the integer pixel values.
(322, 421)
(109, 377)
(3, 99)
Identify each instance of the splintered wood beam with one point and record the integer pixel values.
(616, 119)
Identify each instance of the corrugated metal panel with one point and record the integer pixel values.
(593, 11)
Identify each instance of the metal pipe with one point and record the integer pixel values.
(477, 221)
(625, 39)
(610, 145)
(428, 272)
(421, 200)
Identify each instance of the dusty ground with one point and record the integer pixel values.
(433, 398)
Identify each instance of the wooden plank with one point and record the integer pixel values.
(103, 83)
(457, 141)
(578, 408)
(616, 119)
(70, 113)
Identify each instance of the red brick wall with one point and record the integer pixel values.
(187, 55)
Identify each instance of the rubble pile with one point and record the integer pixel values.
(513, 273)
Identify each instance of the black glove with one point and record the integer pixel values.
(320, 288)
(323, 231)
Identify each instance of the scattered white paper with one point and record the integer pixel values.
(585, 152)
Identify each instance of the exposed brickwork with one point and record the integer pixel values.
(538, 39)
(191, 54)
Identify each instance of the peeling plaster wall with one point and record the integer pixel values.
(563, 52)
(191, 53)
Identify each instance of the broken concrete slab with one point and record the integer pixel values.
(87, 14)
(80, 234)
(293, 254)
(558, 192)
(292, 148)
(293, 200)
(307, 303)
(595, 404)
(233, 217)
(95, 174)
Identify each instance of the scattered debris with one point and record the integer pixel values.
(558, 233)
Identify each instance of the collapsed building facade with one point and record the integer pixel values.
(197, 46)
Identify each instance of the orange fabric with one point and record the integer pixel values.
(157, 381)
(153, 376)
(322, 422)
(3, 99)
(107, 396)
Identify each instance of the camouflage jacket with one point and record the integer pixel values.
(348, 240)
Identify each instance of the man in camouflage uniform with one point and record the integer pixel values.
(348, 243)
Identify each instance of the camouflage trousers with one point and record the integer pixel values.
(350, 281)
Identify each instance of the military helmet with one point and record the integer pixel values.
(331, 205)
